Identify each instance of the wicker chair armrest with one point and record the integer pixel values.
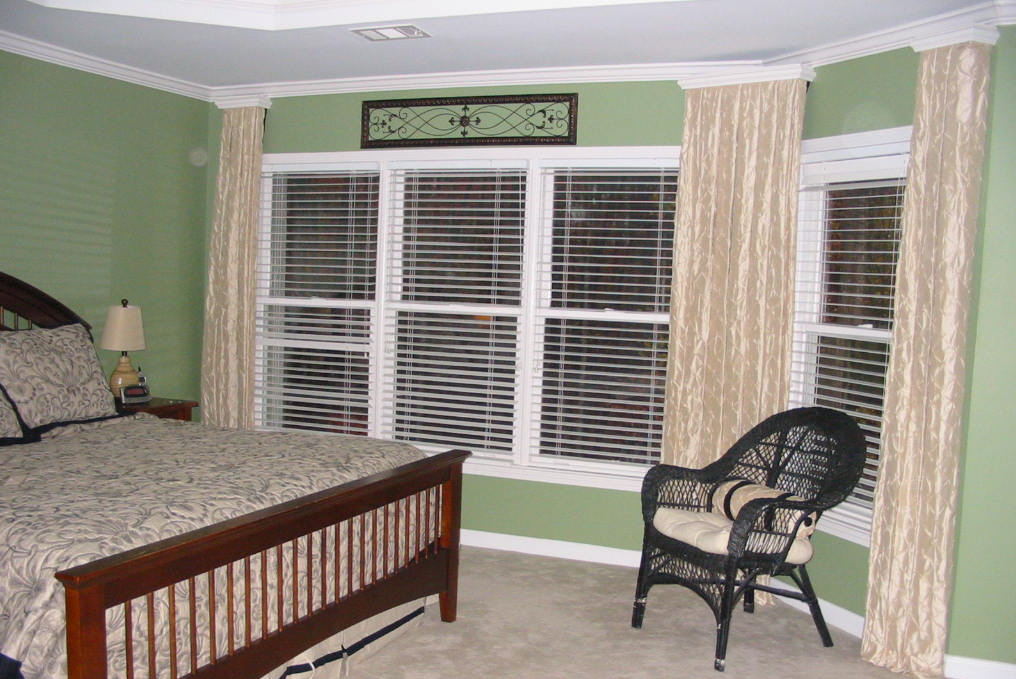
(769, 526)
(671, 486)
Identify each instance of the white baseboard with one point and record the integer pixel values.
(956, 667)
(557, 548)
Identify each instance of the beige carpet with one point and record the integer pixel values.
(534, 617)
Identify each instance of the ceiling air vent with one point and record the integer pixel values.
(377, 33)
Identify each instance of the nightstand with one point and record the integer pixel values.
(169, 408)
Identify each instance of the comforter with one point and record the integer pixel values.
(100, 489)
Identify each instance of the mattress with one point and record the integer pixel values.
(99, 489)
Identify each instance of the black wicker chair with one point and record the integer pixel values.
(716, 530)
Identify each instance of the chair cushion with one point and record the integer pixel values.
(728, 497)
(710, 532)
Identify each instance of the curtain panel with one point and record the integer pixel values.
(227, 365)
(734, 250)
(913, 528)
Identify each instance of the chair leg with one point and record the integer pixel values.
(723, 623)
(641, 592)
(638, 612)
(749, 600)
(800, 575)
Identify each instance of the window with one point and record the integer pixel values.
(604, 301)
(848, 246)
(514, 302)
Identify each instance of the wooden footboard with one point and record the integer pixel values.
(240, 598)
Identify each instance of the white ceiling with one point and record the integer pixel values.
(215, 48)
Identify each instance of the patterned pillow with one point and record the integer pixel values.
(54, 376)
(10, 430)
(728, 497)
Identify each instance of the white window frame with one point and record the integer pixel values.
(865, 156)
(852, 157)
(521, 465)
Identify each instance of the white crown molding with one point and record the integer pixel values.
(535, 76)
(976, 23)
(986, 15)
(262, 100)
(724, 75)
(985, 34)
(110, 69)
(687, 75)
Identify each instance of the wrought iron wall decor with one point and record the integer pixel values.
(507, 119)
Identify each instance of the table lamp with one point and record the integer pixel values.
(124, 332)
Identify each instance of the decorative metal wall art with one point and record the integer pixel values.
(508, 119)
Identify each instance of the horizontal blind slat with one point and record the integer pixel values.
(848, 251)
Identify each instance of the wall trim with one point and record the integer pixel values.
(956, 667)
(559, 549)
(734, 76)
(629, 480)
(82, 62)
(987, 14)
(985, 34)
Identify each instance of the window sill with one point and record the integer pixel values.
(626, 480)
(848, 522)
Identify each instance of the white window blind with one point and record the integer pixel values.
(848, 250)
(323, 237)
(317, 286)
(604, 291)
(613, 235)
(456, 244)
(514, 302)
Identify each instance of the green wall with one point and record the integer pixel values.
(652, 114)
(101, 201)
(860, 95)
(611, 518)
(92, 171)
(983, 614)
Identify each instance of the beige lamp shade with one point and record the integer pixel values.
(124, 332)
(124, 329)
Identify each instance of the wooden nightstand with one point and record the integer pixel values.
(169, 408)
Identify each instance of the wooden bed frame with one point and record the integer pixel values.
(399, 542)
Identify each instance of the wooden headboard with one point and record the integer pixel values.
(23, 306)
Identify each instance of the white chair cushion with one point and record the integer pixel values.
(710, 532)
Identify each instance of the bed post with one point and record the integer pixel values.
(86, 631)
(451, 514)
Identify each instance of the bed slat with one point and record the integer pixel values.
(291, 535)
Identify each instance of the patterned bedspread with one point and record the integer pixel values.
(121, 484)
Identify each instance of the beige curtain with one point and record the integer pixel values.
(734, 249)
(912, 542)
(227, 375)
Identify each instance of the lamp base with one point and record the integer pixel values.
(124, 375)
